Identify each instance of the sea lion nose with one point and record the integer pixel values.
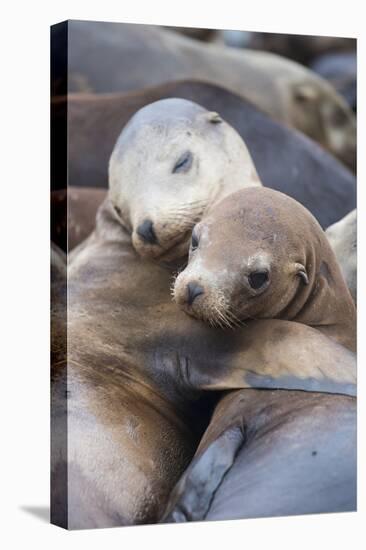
(146, 232)
(193, 290)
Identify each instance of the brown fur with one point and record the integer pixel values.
(73, 212)
(276, 233)
(136, 366)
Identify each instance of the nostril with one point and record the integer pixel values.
(146, 232)
(193, 290)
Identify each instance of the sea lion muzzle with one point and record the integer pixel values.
(146, 232)
(193, 290)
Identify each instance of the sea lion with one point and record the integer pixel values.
(301, 48)
(136, 370)
(173, 160)
(260, 254)
(73, 212)
(340, 69)
(343, 239)
(271, 453)
(110, 57)
(285, 160)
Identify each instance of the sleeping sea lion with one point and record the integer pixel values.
(285, 159)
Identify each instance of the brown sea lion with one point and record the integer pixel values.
(260, 254)
(110, 57)
(277, 453)
(136, 368)
(285, 159)
(83, 203)
(271, 453)
(343, 239)
(73, 212)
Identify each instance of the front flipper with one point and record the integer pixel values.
(191, 498)
(277, 354)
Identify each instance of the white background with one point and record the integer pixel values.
(24, 271)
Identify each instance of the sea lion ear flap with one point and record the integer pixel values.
(213, 117)
(305, 92)
(301, 272)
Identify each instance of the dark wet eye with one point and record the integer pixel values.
(184, 163)
(194, 241)
(257, 279)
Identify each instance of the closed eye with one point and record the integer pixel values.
(194, 241)
(184, 163)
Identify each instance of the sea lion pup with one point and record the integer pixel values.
(260, 254)
(343, 239)
(271, 453)
(171, 161)
(136, 370)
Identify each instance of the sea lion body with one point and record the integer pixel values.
(110, 57)
(342, 236)
(73, 212)
(136, 369)
(260, 254)
(285, 160)
(269, 454)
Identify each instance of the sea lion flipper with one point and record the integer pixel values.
(190, 499)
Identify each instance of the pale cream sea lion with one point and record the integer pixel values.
(343, 239)
(171, 162)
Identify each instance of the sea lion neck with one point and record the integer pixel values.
(325, 303)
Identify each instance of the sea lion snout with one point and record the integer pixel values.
(193, 290)
(146, 232)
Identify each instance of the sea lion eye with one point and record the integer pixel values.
(118, 210)
(194, 241)
(257, 279)
(184, 163)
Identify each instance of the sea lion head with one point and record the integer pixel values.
(321, 113)
(172, 161)
(250, 257)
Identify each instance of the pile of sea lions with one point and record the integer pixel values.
(203, 316)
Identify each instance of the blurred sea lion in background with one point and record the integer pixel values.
(342, 236)
(340, 69)
(205, 35)
(301, 48)
(111, 57)
(285, 159)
